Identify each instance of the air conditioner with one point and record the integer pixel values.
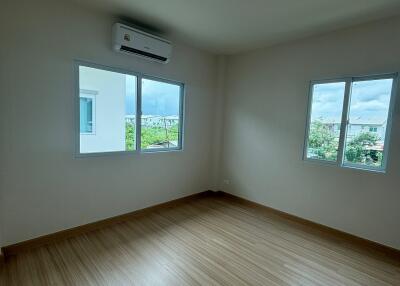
(132, 41)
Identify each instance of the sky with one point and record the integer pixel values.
(369, 100)
(130, 87)
(158, 98)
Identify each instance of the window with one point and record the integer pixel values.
(109, 101)
(86, 109)
(160, 115)
(349, 121)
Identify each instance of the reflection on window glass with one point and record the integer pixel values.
(160, 121)
(107, 111)
(86, 114)
(325, 121)
(368, 115)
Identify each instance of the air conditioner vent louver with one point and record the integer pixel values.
(143, 53)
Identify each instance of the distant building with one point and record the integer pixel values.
(361, 126)
(164, 122)
(357, 126)
(154, 120)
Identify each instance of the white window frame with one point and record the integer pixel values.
(139, 77)
(84, 93)
(340, 162)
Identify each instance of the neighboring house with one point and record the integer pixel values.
(357, 126)
(102, 110)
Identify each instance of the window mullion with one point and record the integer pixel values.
(138, 112)
(181, 111)
(344, 122)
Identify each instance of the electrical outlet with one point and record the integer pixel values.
(227, 182)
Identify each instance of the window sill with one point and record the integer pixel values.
(346, 166)
(127, 153)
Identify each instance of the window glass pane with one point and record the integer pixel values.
(160, 115)
(325, 121)
(368, 115)
(86, 118)
(107, 110)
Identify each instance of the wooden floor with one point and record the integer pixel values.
(210, 241)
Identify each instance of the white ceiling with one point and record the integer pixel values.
(231, 26)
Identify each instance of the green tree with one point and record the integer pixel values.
(154, 134)
(129, 136)
(358, 150)
(321, 142)
(157, 134)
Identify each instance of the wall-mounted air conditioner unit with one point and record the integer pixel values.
(132, 41)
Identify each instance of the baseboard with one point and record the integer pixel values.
(372, 246)
(14, 249)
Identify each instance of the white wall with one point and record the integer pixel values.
(266, 104)
(109, 110)
(46, 189)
